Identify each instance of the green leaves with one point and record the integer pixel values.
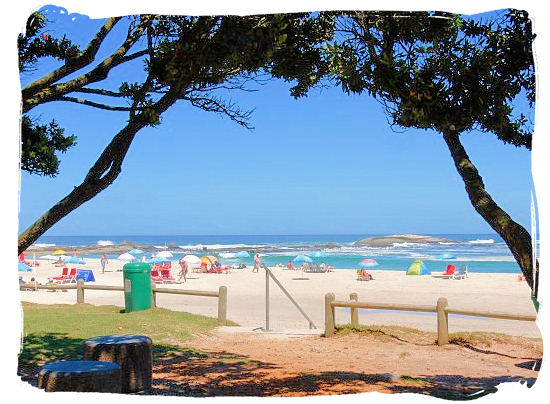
(39, 144)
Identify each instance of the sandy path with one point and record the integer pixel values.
(257, 363)
(246, 297)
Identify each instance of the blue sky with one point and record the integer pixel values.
(328, 163)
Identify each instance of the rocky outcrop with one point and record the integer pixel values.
(386, 241)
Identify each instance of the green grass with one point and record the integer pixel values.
(55, 332)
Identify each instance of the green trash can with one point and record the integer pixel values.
(137, 286)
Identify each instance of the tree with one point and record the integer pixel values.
(441, 72)
(185, 58)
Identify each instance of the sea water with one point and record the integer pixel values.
(480, 252)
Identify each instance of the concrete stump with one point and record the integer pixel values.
(133, 353)
(82, 376)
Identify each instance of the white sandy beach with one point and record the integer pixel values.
(497, 292)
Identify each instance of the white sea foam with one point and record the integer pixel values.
(227, 255)
(104, 242)
(481, 241)
(218, 246)
(43, 245)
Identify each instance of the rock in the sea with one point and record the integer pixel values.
(386, 241)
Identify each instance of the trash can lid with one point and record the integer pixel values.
(136, 267)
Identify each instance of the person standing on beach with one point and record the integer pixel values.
(183, 273)
(104, 261)
(256, 263)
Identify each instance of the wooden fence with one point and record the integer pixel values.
(80, 287)
(441, 308)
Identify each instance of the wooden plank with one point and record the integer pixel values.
(384, 306)
(354, 310)
(503, 316)
(222, 305)
(103, 287)
(329, 315)
(442, 322)
(187, 292)
(47, 287)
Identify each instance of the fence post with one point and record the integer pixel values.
(442, 322)
(153, 295)
(329, 315)
(222, 305)
(79, 291)
(354, 310)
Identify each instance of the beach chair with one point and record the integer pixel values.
(155, 277)
(71, 278)
(58, 279)
(461, 273)
(362, 275)
(166, 277)
(448, 274)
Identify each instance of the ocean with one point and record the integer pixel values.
(480, 252)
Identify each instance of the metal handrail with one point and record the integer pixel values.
(267, 275)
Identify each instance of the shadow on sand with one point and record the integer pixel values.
(186, 372)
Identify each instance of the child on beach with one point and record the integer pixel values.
(289, 265)
(256, 263)
(104, 261)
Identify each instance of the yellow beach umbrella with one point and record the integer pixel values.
(209, 259)
(59, 252)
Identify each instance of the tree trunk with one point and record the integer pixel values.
(513, 234)
(96, 180)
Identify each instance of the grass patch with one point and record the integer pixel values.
(57, 332)
(488, 339)
(385, 332)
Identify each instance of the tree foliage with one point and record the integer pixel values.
(443, 72)
(190, 59)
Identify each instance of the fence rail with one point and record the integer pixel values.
(80, 287)
(440, 308)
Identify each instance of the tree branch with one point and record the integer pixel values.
(85, 58)
(93, 104)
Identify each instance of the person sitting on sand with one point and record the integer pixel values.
(289, 265)
(184, 269)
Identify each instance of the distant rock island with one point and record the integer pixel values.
(386, 241)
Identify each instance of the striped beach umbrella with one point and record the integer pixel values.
(368, 263)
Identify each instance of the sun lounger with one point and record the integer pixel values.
(71, 278)
(155, 277)
(64, 274)
(166, 277)
(448, 274)
(461, 273)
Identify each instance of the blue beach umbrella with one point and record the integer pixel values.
(242, 254)
(318, 254)
(302, 258)
(158, 260)
(368, 263)
(75, 260)
(446, 256)
(21, 266)
(135, 251)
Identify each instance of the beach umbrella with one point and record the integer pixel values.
(302, 258)
(318, 254)
(242, 254)
(75, 260)
(126, 257)
(158, 260)
(21, 266)
(446, 256)
(191, 259)
(135, 251)
(165, 254)
(368, 263)
(209, 259)
(59, 252)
